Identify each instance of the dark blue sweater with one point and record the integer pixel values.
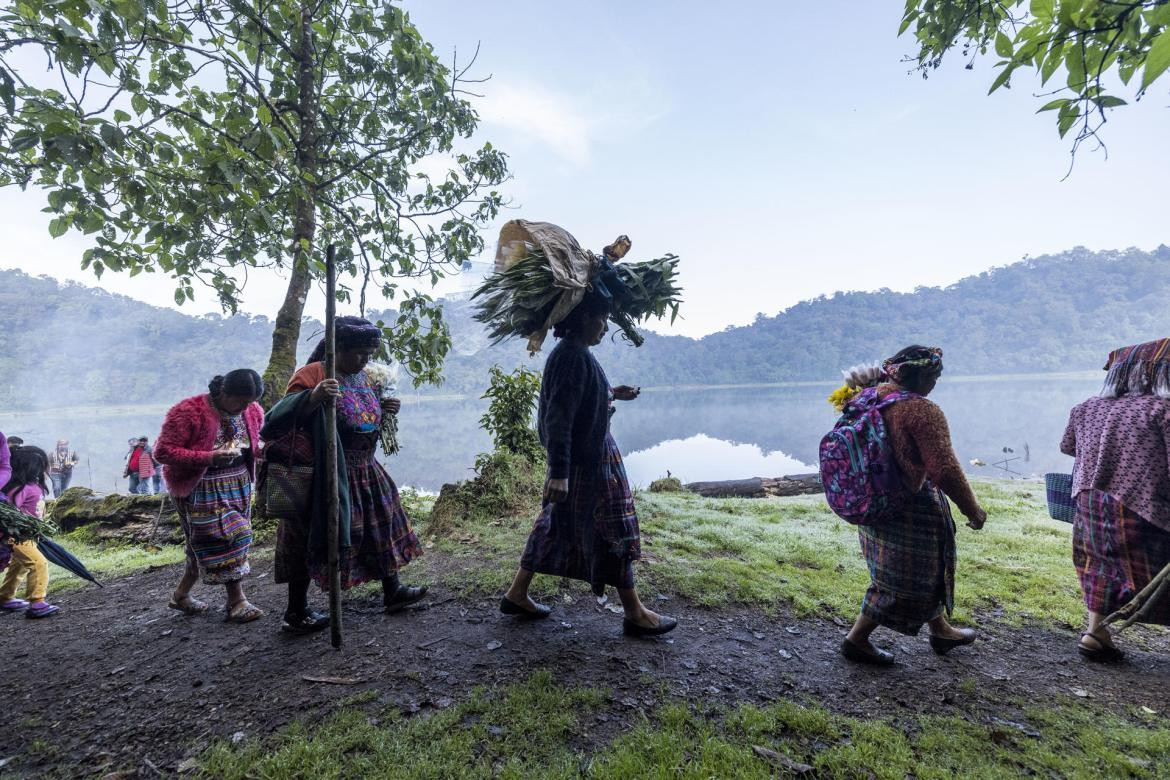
(574, 409)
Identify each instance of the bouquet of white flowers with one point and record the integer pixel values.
(385, 379)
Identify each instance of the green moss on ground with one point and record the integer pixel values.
(540, 729)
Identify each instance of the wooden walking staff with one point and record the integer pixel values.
(332, 504)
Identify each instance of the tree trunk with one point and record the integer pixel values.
(286, 332)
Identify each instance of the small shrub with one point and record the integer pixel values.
(509, 415)
(667, 484)
(506, 484)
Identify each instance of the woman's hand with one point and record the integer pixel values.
(556, 491)
(391, 405)
(626, 393)
(326, 390)
(224, 456)
(976, 522)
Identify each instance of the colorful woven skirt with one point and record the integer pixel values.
(1117, 553)
(217, 523)
(381, 540)
(911, 559)
(593, 535)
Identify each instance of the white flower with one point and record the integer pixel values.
(384, 377)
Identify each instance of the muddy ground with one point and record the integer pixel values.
(119, 684)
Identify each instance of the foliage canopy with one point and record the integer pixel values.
(203, 139)
(1099, 47)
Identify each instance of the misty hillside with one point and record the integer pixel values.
(68, 344)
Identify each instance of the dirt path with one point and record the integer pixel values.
(120, 682)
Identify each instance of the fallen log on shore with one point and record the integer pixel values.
(759, 487)
(115, 517)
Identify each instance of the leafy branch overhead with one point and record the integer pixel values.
(205, 138)
(1084, 51)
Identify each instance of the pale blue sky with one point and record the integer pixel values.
(781, 149)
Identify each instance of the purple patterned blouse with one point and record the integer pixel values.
(1122, 447)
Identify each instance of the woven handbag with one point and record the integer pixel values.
(286, 489)
(1061, 505)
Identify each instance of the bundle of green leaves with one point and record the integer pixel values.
(21, 527)
(518, 300)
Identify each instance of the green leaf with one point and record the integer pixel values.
(1001, 79)
(1053, 104)
(1042, 9)
(121, 116)
(1109, 101)
(140, 104)
(58, 227)
(1158, 59)
(1003, 45)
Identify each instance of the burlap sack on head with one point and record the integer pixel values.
(572, 267)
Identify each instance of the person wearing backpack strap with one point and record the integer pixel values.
(911, 550)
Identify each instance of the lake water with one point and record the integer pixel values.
(708, 434)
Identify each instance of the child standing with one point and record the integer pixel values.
(25, 489)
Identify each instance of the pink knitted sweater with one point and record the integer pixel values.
(188, 434)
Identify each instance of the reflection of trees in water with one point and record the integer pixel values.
(441, 438)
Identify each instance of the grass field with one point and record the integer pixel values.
(766, 552)
(535, 729)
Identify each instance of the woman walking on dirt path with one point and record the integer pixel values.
(209, 444)
(26, 489)
(588, 529)
(911, 555)
(376, 536)
(1121, 483)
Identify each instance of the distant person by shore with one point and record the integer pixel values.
(140, 468)
(61, 463)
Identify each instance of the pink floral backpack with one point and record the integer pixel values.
(861, 480)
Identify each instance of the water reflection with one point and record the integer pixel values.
(704, 458)
(725, 433)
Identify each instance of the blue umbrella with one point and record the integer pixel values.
(65, 559)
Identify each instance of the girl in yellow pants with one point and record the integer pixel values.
(25, 490)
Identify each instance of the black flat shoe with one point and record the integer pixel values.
(875, 657)
(404, 597)
(665, 625)
(512, 608)
(1103, 653)
(942, 645)
(309, 623)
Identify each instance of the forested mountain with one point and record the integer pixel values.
(67, 344)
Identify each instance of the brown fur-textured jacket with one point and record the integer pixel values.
(922, 447)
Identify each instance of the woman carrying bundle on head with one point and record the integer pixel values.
(209, 444)
(911, 551)
(1121, 483)
(376, 536)
(588, 529)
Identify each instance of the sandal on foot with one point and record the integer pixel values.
(13, 605)
(41, 609)
(309, 623)
(188, 605)
(1104, 652)
(243, 612)
(403, 597)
